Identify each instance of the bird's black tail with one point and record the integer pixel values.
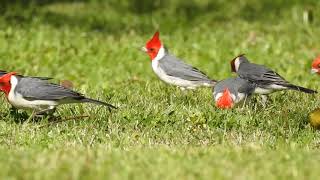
(302, 89)
(88, 100)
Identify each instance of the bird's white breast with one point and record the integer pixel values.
(18, 101)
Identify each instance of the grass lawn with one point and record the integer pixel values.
(160, 132)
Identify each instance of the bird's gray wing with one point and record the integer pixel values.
(177, 68)
(39, 89)
(274, 77)
(260, 74)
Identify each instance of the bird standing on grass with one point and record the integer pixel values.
(267, 80)
(227, 93)
(172, 70)
(39, 94)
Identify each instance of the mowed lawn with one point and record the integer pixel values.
(159, 131)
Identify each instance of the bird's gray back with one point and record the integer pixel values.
(259, 74)
(38, 89)
(235, 85)
(177, 68)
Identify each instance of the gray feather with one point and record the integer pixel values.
(260, 74)
(235, 86)
(40, 89)
(177, 68)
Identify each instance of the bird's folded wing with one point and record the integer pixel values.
(261, 74)
(38, 89)
(176, 68)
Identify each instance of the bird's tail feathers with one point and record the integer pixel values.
(88, 100)
(302, 89)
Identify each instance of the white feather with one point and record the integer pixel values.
(237, 63)
(271, 88)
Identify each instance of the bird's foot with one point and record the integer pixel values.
(264, 100)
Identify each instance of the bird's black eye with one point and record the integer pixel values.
(151, 49)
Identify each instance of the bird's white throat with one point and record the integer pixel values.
(13, 82)
(160, 55)
(237, 64)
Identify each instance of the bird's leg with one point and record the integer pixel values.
(41, 113)
(244, 102)
(51, 111)
(13, 111)
(31, 117)
(264, 99)
(48, 112)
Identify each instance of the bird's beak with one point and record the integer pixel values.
(144, 49)
(313, 70)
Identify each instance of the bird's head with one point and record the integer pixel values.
(225, 100)
(5, 82)
(153, 46)
(235, 63)
(315, 67)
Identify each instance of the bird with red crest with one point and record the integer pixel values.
(315, 67)
(173, 70)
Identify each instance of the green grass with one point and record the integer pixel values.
(160, 132)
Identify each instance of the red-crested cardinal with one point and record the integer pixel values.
(267, 80)
(39, 94)
(172, 70)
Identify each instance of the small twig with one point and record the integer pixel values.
(63, 120)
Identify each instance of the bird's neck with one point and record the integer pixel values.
(161, 53)
(10, 86)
